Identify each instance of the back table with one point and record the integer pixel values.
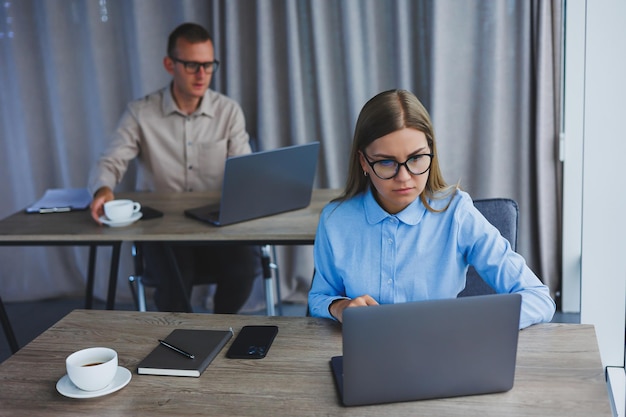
(78, 229)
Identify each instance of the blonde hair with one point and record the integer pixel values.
(385, 113)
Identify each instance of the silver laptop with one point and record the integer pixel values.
(428, 349)
(263, 183)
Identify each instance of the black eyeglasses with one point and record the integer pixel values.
(192, 67)
(386, 169)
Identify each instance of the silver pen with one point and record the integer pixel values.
(175, 349)
(54, 210)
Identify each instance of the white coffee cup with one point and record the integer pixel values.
(119, 210)
(93, 368)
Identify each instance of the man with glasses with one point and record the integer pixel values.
(181, 136)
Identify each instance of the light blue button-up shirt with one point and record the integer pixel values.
(416, 255)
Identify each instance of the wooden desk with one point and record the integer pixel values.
(559, 373)
(77, 228)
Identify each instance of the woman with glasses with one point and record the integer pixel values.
(399, 233)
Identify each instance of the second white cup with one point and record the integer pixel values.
(118, 210)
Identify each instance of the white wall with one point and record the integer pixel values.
(572, 152)
(594, 203)
(596, 114)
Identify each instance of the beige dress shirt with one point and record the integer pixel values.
(175, 151)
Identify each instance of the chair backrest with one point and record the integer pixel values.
(503, 213)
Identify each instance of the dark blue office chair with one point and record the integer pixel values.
(503, 213)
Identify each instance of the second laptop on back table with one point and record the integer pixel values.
(262, 184)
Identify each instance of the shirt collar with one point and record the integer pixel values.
(169, 105)
(374, 213)
(206, 106)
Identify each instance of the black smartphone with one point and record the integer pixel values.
(252, 342)
(150, 213)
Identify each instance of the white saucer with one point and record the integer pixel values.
(67, 388)
(122, 223)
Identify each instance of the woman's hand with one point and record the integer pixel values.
(336, 307)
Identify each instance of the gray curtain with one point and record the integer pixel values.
(487, 70)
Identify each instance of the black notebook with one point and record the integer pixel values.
(204, 345)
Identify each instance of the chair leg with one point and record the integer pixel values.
(137, 287)
(141, 295)
(138, 292)
(268, 253)
(267, 278)
(274, 266)
(132, 282)
(8, 330)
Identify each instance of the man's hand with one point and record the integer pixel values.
(103, 195)
(336, 308)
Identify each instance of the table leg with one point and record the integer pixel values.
(91, 270)
(115, 262)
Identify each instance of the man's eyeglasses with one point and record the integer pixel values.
(386, 169)
(192, 67)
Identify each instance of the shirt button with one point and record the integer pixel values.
(390, 241)
(389, 281)
(189, 143)
(190, 167)
(190, 189)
